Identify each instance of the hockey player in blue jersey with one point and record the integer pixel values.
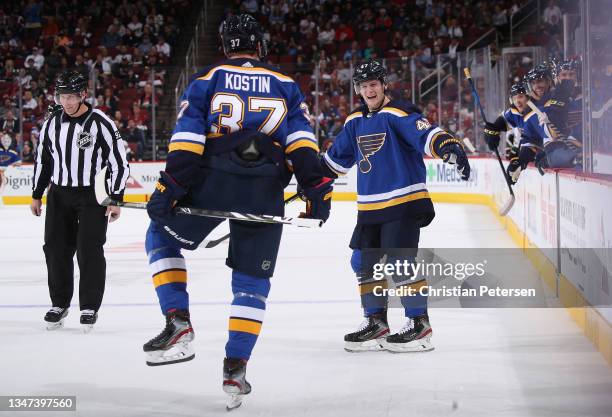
(510, 119)
(240, 133)
(387, 140)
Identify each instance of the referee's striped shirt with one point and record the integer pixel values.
(72, 150)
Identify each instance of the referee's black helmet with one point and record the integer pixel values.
(70, 82)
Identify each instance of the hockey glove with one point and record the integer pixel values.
(491, 135)
(519, 163)
(167, 193)
(318, 199)
(453, 153)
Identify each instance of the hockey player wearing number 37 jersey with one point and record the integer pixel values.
(387, 139)
(241, 127)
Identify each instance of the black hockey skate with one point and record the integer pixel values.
(369, 335)
(88, 319)
(415, 336)
(173, 344)
(234, 381)
(55, 318)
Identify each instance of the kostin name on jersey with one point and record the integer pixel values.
(257, 83)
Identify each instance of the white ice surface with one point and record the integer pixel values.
(493, 362)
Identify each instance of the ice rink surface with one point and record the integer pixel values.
(487, 362)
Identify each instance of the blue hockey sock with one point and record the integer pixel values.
(247, 314)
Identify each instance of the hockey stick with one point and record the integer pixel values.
(597, 114)
(211, 243)
(104, 200)
(543, 119)
(506, 207)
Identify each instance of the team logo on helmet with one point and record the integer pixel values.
(84, 140)
(368, 146)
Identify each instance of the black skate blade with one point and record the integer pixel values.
(228, 408)
(171, 362)
(234, 402)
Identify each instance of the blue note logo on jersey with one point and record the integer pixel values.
(368, 146)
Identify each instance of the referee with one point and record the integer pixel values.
(76, 142)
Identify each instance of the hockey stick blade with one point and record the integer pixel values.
(104, 200)
(505, 209)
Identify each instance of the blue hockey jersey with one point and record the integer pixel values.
(513, 118)
(8, 157)
(388, 147)
(236, 95)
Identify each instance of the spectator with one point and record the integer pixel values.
(119, 120)
(454, 30)
(35, 59)
(452, 48)
(146, 100)
(500, 19)
(27, 154)
(63, 40)
(140, 117)
(7, 72)
(7, 106)
(344, 33)
(111, 38)
(162, 47)
(35, 89)
(135, 137)
(80, 65)
(383, 21)
(129, 39)
(146, 45)
(341, 73)
(102, 64)
(411, 41)
(327, 35)
(307, 26)
(354, 53)
(29, 102)
(438, 29)
(552, 14)
(110, 100)
(371, 51)
(450, 89)
(135, 26)
(80, 40)
(9, 122)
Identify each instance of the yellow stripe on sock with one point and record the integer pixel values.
(168, 277)
(369, 287)
(246, 326)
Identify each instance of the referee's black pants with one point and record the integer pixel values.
(75, 223)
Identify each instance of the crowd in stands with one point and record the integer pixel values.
(121, 45)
